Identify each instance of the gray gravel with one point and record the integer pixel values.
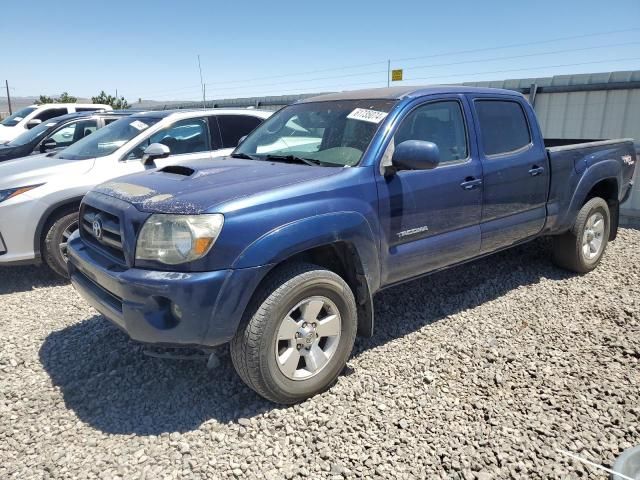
(478, 372)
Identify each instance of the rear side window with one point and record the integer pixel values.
(503, 126)
(234, 127)
(51, 113)
(88, 109)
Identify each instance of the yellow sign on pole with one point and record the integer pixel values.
(396, 75)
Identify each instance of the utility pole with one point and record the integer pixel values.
(204, 94)
(6, 82)
(388, 72)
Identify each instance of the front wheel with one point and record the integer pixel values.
(59, 230)
(297, 334)
(581, 248)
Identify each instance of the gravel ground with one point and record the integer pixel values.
(478, 372)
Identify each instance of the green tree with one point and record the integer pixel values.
(63, 98)
(116, 103)
(45, 99)
(66, 98)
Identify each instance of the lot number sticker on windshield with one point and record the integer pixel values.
(138, 125)
(371, 116)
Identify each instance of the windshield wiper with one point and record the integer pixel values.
(295, 158)
(242, 155)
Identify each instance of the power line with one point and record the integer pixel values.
(334, 87)
(458, 52)
(432, 66)
(244, 88)
(526, 69)
(513, 45)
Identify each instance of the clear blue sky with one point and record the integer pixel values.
(148, 48)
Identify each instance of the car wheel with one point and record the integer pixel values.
(297, 334)
(581, 248)
(59, 230)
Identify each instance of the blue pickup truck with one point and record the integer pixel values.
(279, 248)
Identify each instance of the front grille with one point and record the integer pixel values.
(101, 230)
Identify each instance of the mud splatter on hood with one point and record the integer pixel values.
(201, 185)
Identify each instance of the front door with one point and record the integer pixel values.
(431, 218)
(187, 139)
(516, 172)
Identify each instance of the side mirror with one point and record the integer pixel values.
(33, 123)
(241, 140)
(415, 155)
(153, 152)
(48, 144)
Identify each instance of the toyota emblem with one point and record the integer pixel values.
(97, 229)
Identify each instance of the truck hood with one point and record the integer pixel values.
(197, 186)
(37, 169)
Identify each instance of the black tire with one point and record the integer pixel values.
(568, 248)
(255, 346)
(58, 230)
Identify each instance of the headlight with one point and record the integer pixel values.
(13, 192)
(174, 239)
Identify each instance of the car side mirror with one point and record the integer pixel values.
(415, 155)
(48, 144)
(34, 122)
(241, 140)
(153, 152)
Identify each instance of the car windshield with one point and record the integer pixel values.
(332, 133)
(13, 120)
(33, 134)
(108, 139)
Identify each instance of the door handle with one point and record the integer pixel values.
(470, 183)
(536, 170)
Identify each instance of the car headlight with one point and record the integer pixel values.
(13, 192)
(174, 239)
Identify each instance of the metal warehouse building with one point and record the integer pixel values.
(574, 107)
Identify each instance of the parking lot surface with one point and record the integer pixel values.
(482, 371)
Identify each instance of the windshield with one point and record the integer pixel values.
(334, 133)
(108, 139)
(31, 135)
(13, 120)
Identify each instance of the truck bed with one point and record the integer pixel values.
(574, 169)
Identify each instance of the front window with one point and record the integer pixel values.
(184, 136)
(333, 133)
(13, 120)
(108, 139)
(31, 135)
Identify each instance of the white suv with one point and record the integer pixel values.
(29, 117)
(40, 194)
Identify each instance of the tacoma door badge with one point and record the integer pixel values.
(412, 231)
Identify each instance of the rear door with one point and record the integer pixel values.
(431, 218)
(515, 169)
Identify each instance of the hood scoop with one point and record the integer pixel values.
(178, 170)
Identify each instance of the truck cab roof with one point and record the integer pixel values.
(398, 93)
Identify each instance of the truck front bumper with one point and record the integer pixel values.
(199, 309)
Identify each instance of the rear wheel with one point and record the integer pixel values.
(581, 248)
(297, 334)
(59, 230)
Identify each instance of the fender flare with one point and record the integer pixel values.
(605, 170)
(352, 228)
